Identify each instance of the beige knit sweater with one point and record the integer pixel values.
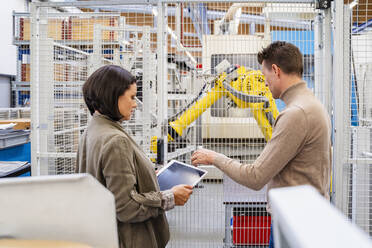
(299, 151)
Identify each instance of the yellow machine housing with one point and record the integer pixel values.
(256, 96)
(246, 88)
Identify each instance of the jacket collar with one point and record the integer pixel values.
(106, 118)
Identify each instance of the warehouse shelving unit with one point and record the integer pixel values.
(75, 32)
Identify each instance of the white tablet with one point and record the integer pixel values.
(176, 172)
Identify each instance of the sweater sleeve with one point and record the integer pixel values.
(120, 177)
(287, 140)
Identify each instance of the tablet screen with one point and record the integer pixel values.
(179, 173)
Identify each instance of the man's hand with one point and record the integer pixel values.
(203, 156)
(181, 193)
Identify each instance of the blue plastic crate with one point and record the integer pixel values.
(17, 153)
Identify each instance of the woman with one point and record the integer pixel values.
(108, 153)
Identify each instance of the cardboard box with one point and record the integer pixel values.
(55, 28)
(25, 73)
(20, 123)
(76, 28)
(24, 29)
(83, 29)
(69, 72)
(61, 72)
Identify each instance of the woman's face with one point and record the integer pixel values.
(127, 102)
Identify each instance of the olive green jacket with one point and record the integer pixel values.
(108, 153)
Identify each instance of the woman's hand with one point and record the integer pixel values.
(181, 193)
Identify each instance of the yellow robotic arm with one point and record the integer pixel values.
(246, 88)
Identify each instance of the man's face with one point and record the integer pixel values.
(271, 78)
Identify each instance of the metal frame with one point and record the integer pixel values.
(40, 44)
(351, 174)
(323, 57)
(155, 2)
(42, 105)
(162, 75)
(327, 59)
(341, 99)
(245, 18)
(341, 76)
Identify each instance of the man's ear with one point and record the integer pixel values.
(276, 69)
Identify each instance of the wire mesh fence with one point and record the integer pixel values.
(193, 60)
(62, 52)
(354, 196)
(211, 36)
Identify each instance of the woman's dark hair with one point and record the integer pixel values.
(102, 89)
(285, 55)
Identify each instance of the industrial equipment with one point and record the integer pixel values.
(245, 87)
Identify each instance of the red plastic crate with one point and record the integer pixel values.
(252, 230)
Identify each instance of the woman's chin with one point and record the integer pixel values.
(125, 119)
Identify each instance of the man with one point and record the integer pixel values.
(299, 151)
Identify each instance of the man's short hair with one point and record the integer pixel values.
(102, 89)
(285, 55)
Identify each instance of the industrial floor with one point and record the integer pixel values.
(201, 222)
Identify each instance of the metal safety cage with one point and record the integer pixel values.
(62, 56)
(199, 84)
(353, 111)
(21, 38)
(76, 42)
(209, 59)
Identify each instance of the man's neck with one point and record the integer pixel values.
(289, 80)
